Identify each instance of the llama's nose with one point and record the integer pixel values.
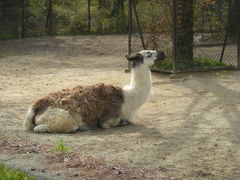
(160, 55)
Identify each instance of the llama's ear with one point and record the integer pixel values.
(135, 57)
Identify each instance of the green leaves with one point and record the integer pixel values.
(184, 64)
(60, 146)
(8, 174)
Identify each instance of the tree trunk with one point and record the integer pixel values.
(184, 39)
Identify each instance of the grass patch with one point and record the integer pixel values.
(61, 147)
(184, 64)
(165, 64)
(5, 36)
(204, 62)
(10, 174)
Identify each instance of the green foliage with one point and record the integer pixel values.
(165, 64)
(9, 174)
(60, 146)
(35, 17)
(203, 62)
(71, 17)
(9, 30)
(185, 64)
(5, 36)
(211, 17)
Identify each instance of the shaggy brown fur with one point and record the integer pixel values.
(96, 104)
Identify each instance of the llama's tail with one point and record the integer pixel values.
(29, 121)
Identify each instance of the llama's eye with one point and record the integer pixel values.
(149, 54)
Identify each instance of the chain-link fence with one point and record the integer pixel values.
(194, 35)
(10, 18)
(61, 17)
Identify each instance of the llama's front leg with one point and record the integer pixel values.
(124, 122)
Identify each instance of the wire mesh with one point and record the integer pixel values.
(61, 17)
(10, 22)
(35, 13)
(108, 17)
(206, 32)
(214, 33)
(69, 17)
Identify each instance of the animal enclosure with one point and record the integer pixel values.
(51, 17)
(195, 35)
(187, 129)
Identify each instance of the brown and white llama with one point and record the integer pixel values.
(105, 106)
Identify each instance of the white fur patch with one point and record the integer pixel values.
(137, 92)
(28, 123)
(42, 128)
(57, 120)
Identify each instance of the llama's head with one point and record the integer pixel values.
(146, 57)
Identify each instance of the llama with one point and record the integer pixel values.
(100, 105)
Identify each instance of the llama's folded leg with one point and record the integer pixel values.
(56, 120)
(42, 128)
(110, 123)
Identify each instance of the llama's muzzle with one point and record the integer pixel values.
(160, 55)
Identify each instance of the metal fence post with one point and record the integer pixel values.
(138, 24)
(23, 18)
(129, 32)
(227, 31)
(89, 16)
(238, 36)
(50, 17)
(238, 50)
(129, 27)
(174, 36)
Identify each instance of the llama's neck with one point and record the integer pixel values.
(141, 80)
(137, 92)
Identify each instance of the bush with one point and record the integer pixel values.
(9, 174)
(167, 64)
(5, 36)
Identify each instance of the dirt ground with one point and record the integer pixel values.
(189, 128)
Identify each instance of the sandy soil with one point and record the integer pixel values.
(189, 127)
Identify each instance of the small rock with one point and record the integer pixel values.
(118, 172)
(33, 169)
